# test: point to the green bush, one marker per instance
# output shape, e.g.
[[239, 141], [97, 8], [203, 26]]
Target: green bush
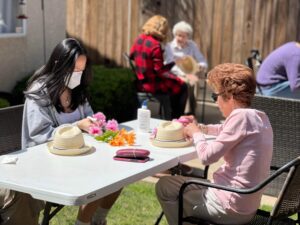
[[17, 92], [113, 92], [4, 103]]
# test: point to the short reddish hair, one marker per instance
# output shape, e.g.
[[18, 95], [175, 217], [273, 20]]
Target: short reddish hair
[[233, 79]]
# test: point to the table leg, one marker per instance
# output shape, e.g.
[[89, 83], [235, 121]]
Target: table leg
[[159, 218], [48, 214]]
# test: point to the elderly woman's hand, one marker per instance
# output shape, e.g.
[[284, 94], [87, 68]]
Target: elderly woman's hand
[[185, 120], [190, 130]]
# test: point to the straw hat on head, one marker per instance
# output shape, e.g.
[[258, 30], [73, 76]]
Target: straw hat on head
[[68, 140], [170, 135], [188, 65]]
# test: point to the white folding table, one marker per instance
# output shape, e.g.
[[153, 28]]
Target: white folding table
[[78, 180]]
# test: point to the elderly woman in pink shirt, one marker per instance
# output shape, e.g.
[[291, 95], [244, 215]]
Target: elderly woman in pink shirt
[[244, 140]]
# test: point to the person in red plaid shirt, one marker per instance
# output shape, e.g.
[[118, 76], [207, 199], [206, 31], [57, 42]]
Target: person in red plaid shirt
[[153, 76]]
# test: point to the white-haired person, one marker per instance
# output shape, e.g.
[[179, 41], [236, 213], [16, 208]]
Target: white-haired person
[[182, 46]]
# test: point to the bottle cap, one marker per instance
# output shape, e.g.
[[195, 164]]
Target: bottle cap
[[144, 104]]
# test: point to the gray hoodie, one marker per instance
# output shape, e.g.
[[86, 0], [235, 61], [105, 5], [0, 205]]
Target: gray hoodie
[[41, 119]]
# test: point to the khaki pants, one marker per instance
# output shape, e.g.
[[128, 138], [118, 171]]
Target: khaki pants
[[197, 200], [18, 208]]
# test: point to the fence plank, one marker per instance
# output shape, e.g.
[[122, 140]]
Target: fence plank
[[238, 31], [117, 45], [217, 32], [203, 32], [126, 31], [110, 31], [227, 39], [249, 7], [258, 33], [85, 35], [78, 19], [92, 29], [101, 31], [135, 16], [70, 23], [293, 19]]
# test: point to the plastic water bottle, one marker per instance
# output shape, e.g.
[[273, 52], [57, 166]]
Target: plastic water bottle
[[144, 115]]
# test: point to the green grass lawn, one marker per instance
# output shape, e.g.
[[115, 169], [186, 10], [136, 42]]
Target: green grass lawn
[[137, 205]]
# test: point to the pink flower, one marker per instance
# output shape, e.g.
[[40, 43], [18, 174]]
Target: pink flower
[[183, 120], [100, 117], [112, 125], [95, 130], [153, 134]]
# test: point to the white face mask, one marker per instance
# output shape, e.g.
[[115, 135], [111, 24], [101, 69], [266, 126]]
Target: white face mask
[[74, 80]]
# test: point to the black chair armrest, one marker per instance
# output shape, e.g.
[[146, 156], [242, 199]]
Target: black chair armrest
[[256, 188]]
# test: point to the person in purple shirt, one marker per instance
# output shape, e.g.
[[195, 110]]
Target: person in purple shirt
[[244, 141], [279, 74]]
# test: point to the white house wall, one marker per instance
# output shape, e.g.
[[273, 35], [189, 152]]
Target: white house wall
[[20, 56]]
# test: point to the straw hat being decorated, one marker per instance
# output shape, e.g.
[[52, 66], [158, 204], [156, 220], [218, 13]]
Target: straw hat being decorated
[[170, 135], [68, 140]]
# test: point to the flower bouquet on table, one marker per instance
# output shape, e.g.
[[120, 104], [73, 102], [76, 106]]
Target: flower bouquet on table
[[108, 131]]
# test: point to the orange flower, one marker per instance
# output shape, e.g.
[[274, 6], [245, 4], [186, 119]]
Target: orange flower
[[117, 141], [122, 138], [130, 138]]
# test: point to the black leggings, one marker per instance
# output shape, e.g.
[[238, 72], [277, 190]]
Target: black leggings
[[178, 102], [173, 105]]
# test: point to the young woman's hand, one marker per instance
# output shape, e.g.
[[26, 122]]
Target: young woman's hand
[[84, 124]]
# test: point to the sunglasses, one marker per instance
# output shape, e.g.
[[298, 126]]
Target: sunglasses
[[214, 96]]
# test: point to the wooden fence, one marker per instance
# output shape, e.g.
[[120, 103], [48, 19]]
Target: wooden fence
[[225, 30]]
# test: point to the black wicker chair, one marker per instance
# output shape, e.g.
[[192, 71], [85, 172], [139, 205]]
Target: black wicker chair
[[284, 115], [179, 170], [10, 141], [162, 99], [10, 128], [287, 204]]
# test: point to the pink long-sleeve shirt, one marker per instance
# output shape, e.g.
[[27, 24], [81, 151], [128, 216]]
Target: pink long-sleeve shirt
[[245, 140]]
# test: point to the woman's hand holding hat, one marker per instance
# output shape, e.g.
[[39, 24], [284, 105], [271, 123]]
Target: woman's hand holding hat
[[203, 128], [190, 130], [192, 78]]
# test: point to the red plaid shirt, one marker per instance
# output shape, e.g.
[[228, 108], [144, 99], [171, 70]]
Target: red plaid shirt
[[154, 76]]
